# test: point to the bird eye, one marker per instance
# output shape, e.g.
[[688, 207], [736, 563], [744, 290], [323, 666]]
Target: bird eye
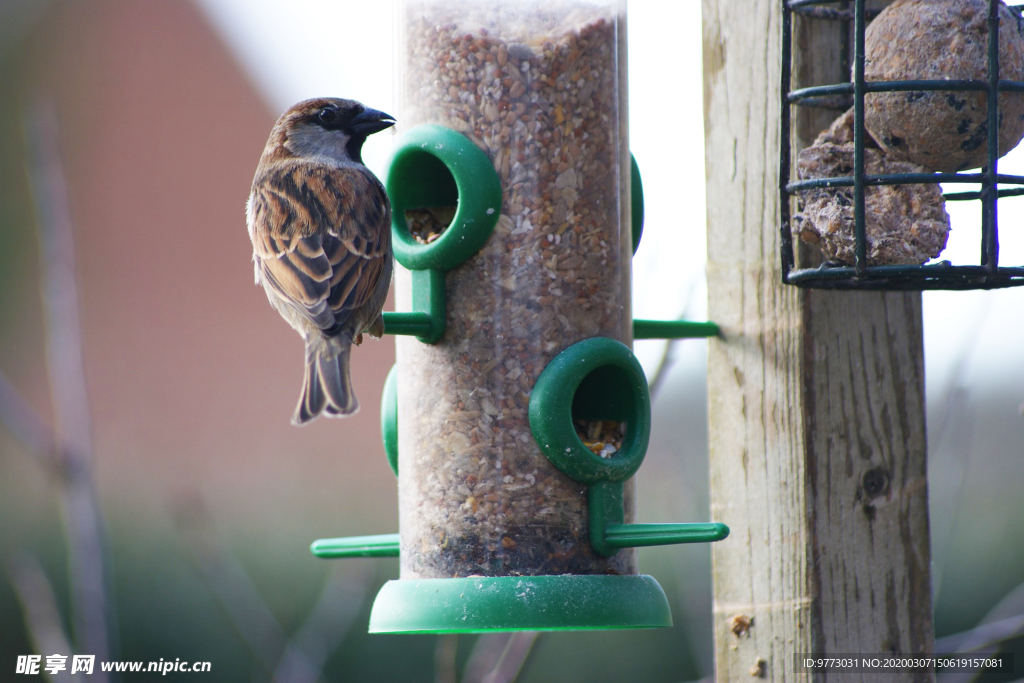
[[327, 115]]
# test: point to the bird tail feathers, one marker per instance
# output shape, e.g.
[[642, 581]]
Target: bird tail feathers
[[326, 388]]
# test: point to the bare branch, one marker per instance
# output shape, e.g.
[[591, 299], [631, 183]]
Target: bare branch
[[984, 636], [327, 624], [952, 403], [1001, 623], [484, 656], [27, 427], [668, 354], [230, 585], [42, 618], [299, 659], [512, 659], [498, 657], [87, 556], [444, 658], [665, 364]]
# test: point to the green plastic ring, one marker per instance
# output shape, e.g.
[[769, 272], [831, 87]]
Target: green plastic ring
[[437, 166], [519, 603], [598, 379]]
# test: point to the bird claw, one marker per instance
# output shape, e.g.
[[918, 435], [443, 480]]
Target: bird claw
[[376, 329]]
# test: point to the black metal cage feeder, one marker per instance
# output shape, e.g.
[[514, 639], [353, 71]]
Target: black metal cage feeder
[[861, 274]]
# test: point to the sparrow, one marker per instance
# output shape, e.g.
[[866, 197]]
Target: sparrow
[[320, 226]]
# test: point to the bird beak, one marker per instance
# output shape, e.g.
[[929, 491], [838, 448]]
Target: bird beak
[[370, 121]]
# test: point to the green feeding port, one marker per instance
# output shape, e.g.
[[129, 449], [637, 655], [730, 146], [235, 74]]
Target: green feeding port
[[595, 380], [445, 201], [435, 175], [600, 379]]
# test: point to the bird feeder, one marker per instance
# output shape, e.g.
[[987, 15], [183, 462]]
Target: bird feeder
[[516, 414], [936, 90]]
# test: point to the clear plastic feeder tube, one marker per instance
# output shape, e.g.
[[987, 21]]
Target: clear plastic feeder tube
[[540, 87]]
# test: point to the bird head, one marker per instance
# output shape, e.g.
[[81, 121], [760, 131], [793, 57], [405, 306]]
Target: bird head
[[327, 127]]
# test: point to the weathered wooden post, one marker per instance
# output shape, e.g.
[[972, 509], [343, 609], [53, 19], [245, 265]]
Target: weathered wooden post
[[816, 399]]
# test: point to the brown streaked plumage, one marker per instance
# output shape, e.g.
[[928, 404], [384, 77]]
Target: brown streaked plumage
[[320, 226]]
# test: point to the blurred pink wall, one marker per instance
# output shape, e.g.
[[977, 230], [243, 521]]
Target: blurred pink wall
[[192, 376]]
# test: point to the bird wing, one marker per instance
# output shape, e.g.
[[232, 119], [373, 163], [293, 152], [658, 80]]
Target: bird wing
[[321, 238]]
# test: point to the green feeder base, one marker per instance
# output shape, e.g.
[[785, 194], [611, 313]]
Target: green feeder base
[[520, 603]]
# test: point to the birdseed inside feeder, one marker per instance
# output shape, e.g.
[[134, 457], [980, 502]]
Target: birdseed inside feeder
[[540, 89]]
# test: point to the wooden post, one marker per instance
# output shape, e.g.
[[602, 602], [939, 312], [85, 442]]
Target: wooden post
[[816, 400]]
